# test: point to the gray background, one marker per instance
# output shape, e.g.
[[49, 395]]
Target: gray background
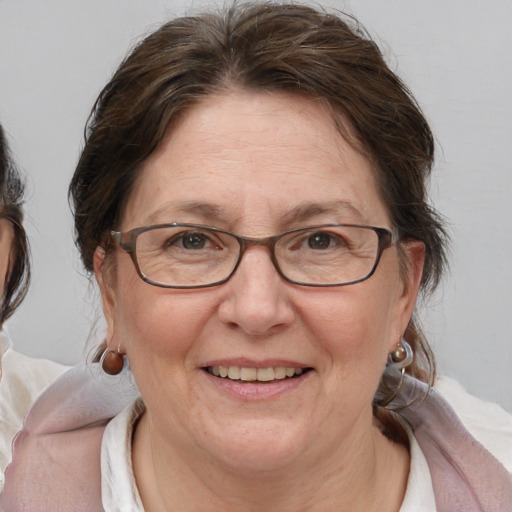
[[455, 55]]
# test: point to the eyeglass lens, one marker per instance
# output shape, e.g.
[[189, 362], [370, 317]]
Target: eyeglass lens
[[197, 256]]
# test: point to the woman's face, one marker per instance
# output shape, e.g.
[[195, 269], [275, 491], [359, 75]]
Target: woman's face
[[258, 164], [6, 238]]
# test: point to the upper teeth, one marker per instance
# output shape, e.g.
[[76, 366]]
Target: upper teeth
[[251, 374]]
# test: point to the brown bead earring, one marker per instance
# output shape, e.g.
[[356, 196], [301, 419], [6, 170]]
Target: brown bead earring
[[112, 361]]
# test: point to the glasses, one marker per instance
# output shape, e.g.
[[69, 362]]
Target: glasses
[[195, 256]]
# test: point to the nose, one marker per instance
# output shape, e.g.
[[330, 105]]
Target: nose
[[256, 299]]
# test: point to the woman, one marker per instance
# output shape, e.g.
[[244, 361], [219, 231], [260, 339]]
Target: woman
[[21, 378], [14, 262], [251, 199]]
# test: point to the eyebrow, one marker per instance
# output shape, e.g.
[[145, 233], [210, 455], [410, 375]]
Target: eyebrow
[[300, 213], [305, 211], [209, 211]]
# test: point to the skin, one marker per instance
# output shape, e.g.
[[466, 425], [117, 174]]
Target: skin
[[253, 160], [6, 238]]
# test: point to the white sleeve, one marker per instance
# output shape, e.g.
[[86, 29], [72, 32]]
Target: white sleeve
[[22, 379]]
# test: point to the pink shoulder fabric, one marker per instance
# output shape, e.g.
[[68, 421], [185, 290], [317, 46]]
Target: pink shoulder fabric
[[465, 476], [56, 460], [56, 457]]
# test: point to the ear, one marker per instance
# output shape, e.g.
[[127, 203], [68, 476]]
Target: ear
[[107, 293], [414, 253]]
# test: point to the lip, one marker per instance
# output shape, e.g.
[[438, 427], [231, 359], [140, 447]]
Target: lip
[[251, 363], [254, 390]]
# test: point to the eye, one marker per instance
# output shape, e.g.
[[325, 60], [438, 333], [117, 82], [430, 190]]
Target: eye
[[316, 241], [179, 242], [321, 240], [193, 240]]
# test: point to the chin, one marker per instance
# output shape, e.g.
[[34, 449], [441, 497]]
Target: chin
[[258, 446]]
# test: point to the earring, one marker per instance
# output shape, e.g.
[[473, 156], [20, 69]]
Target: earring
[[399, 360], [112, 361], [402, 356]]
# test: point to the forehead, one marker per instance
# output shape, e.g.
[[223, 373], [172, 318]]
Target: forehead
[[239, 155]]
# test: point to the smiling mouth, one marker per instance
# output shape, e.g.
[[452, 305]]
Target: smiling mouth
[[256, 374]]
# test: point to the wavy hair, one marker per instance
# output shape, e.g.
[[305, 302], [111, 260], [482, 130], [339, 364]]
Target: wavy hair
[[11, 207]]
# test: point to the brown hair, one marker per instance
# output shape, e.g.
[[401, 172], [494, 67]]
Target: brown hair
[[11, 202], [261, 47]]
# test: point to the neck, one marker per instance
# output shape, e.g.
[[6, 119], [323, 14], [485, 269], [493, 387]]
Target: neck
[[367, 474]]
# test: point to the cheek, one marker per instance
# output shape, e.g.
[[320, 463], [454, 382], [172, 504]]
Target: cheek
[[160, 333], [352, 326], [159, 329], [160, 326], [6, 239]]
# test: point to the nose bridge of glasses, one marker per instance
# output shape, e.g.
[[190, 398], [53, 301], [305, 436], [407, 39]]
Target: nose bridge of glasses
[[247, 241], [266, 242]]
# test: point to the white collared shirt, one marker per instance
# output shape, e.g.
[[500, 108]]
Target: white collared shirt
[[119, 489]]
